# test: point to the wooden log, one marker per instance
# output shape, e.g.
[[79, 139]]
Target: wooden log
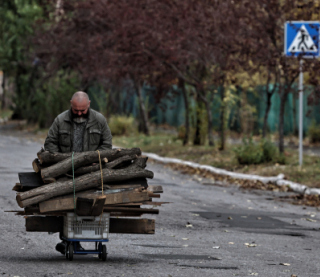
[[84, 206], [46, 157], [98, 205], [36, 165], [44, 224], [132, 226], [66, 204], [84, 158], [83, 182], [130, 210], [110, 165]]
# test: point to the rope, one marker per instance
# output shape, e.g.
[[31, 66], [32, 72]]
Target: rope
[[74, 188], [101, 182]]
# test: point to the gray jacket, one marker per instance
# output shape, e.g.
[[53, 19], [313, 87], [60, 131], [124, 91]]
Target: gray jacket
[[97, 135]]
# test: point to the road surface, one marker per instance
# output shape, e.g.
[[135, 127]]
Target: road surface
[[283, 239]]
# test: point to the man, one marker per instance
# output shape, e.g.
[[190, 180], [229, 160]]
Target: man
[[79, 129], [76, 130]]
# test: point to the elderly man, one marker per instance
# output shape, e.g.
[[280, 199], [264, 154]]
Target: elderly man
[[76, 130], [79, 128]]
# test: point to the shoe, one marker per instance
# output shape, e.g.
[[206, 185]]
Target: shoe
[[61, 247]]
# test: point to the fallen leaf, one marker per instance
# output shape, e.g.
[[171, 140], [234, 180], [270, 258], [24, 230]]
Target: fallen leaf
[[185, 238], [216, 247], [250, 244], [186, 245], [293, 275], [286, 264], [243, 216], [189, 225], [229, 217], [231, 242], [259, 218], [311, 220], [254, 274], [226, 231]]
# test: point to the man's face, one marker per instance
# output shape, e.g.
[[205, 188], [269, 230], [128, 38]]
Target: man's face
[[80, 107]]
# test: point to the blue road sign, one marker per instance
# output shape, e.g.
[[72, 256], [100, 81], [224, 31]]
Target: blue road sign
[[301, 39]]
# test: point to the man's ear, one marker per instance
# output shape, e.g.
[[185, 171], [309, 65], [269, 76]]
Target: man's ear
[[89, 103]]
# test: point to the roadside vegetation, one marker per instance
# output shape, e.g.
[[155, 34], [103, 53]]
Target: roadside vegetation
[[251, 155]]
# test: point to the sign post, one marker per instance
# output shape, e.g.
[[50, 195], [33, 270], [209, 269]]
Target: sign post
[[301, 41]]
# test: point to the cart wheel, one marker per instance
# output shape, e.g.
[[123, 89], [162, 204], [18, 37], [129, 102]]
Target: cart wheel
[[104, 253], [70, 250], [100, 250]]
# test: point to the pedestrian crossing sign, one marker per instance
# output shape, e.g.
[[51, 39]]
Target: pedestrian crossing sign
[[301, 39]]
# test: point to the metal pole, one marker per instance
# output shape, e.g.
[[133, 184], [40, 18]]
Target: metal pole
[[301, 113]]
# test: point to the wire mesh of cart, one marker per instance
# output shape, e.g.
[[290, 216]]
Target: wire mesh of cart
[[78, 229]]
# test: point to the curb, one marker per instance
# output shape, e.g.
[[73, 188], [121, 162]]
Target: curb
[[278, 180]]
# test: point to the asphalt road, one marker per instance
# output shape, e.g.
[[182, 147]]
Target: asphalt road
[[223, 220]]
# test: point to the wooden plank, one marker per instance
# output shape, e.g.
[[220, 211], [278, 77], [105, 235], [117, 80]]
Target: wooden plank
[[17, 187], [124, 186], [84, 206], [98, 205], [147, 203], [132, 226], [130, 210], [44, 224], [65, 204], [155, 189], [153, 195]]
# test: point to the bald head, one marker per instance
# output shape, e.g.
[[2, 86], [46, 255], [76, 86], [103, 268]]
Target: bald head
[[80, 103], [80, 96]]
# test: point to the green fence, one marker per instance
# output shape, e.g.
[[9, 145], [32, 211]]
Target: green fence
[[172, 111]]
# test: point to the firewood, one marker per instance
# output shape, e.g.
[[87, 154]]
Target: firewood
[[128, 210], [84, 158], [98, 205], [90, 180], [84, 206], [110, 165], [67, 203], [132, 226], [46, 157], [153, 195], [117, 225]]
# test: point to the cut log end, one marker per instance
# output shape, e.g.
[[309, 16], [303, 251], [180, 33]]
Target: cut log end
[[19, 201]]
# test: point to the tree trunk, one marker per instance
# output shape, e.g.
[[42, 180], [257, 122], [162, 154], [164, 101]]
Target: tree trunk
[[222, 119], [91, 180], [281, 121], [143, 112], [3, 100], [209, 115], [186, 104], [197, 136], [85, 158], [265, 119]]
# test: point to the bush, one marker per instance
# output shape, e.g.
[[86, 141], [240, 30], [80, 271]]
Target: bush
[[122, 125], [314, 132], [257, 153], [249, 152]]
